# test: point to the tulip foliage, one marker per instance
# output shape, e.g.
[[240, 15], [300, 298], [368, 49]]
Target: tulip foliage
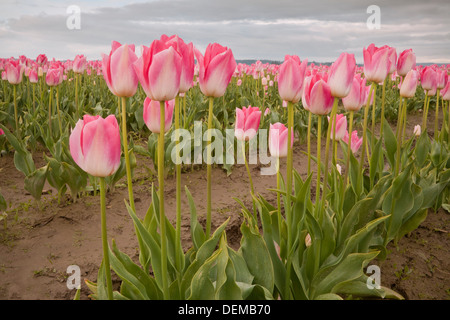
[[316, 239]]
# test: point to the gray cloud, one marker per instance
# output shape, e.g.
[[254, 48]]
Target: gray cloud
[[259, 29]]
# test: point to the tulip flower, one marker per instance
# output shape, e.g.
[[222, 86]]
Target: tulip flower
[[187, 63], [355, 142], [118, 70], [357, 96], [317, 96], [79, 64], [247, 122], [33, 76], [406, 62], [95, 147], [417, 130], [14, 71], [54, 77], [41, 59], [409, 84], [441, 81], [278, 140], [445, 93], [341, 127], [152, 116], [216, 69], [341, 75], [159, 70], [376, 63], [290, 78], [428, 81]]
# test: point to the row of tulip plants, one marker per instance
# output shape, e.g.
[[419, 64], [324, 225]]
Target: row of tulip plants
[[90, 118]]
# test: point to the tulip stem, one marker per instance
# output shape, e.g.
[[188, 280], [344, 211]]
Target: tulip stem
[[279, 200], [16, 117], [374, 109], [425, 111], [208, 169], [309, 141], [437, 116], [178, 188], [105, 238], [252, 190], [288, 213], [59, 114], [50, 98], [162, 217], [383, 102], [400, 138], [125, 151], [319, 145], [364, 142], [347, 163], [331, 123], [76, 95]]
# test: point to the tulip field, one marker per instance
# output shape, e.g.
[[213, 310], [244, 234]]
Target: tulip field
[[178, 174]]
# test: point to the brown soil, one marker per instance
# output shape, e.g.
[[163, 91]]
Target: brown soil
[[41, 240]]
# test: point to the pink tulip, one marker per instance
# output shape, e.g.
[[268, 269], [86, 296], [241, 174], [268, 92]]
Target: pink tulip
[[118, 70], [159, 70], [406, 62], [278, 140], [187, 65], [216, 69], [79, 64], [95, 145], [341, 127], [54, 77], [392, 60], [41, 59], [247, 123], [33, 76], [341, 75], [318, 96], [445, 93], [356, 142], [290, 78], [428, 79], [239, 82], [409, 84], [1, 132], [376, 63], [152, 114], [14, 71], [441, 78], [357, 96]]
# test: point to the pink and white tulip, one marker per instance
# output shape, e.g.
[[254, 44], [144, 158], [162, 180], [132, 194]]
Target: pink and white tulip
[[118, 70], [357, 96], [278, 140], [95, 145], [409, 84], [152, 115], [376, 63], [247, 123], [341, 75], [406, 62], [290, 78], [318, 96], [339, 128], [355, 143], [216, 68]]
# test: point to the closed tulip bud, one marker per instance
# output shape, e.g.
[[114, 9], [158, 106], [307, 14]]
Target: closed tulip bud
[[14, 72], [54, 77], [33, 76], [186, 52], [428, 79], [247, 123], [152, 114], [376, 63], [278, 140], [341, 75], [445, 93], [356, 142], [290, 78], [357, 96], [95, 145], [318, 96], [417, 130], [441, 78], [159, 70], [239, 82], [79, 64], [217, 67], [118, 70], [339, 128], [409, 84], [406, 62]]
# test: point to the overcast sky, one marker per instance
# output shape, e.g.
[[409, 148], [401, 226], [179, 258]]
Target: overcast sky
[[254, 29]]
